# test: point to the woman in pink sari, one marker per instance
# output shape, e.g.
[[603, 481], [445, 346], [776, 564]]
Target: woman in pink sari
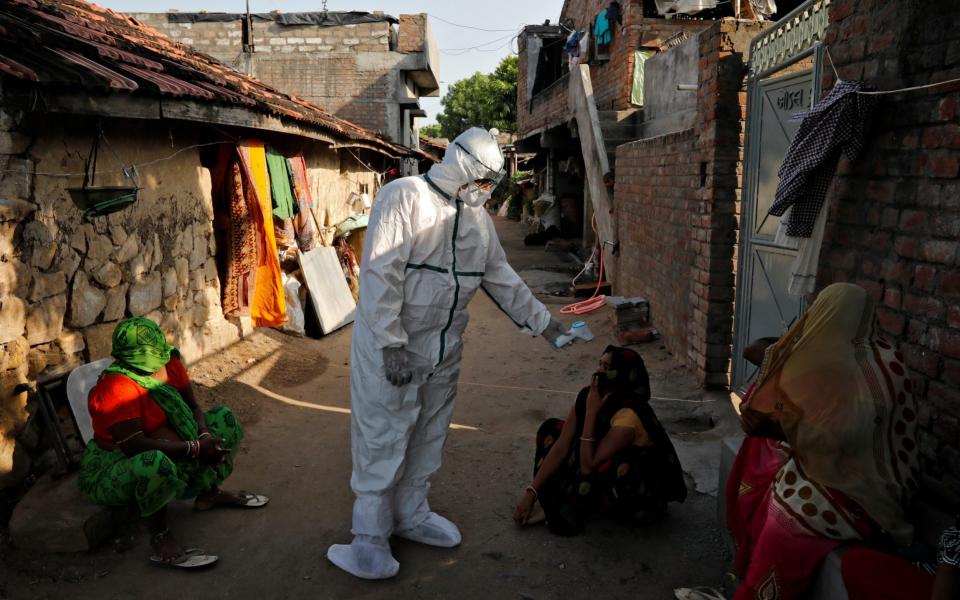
[[830, 454]]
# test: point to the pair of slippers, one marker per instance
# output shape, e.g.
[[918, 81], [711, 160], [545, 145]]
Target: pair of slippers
[[196, 558]]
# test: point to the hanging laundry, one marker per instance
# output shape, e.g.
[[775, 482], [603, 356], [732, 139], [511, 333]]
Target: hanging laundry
[[267, 306], [304, 224], [239, 241], [601, 30], [283, 202], [572, 46], [836, 124], [614, 14], [640, 58], [803, 271]]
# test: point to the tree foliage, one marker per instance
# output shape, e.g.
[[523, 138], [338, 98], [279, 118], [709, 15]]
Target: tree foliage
[[481, 100], [432, 131]]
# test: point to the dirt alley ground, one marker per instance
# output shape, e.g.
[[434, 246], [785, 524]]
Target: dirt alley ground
[[293, 396]]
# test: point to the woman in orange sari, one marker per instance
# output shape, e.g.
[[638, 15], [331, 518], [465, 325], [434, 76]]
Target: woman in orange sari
[[831, 454]]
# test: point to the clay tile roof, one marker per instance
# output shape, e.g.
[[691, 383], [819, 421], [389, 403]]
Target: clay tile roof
[[68, 43]]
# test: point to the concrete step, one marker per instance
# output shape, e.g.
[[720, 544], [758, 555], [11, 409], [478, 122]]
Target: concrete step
[[617, 116], [55, 517]]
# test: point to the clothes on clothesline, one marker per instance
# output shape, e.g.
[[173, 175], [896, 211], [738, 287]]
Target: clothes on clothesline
[[614, 14], [640, 58], [803, 271], [268, 306], [601, 29], [836, 124], [304, 223], [572, 47], [284, 206]]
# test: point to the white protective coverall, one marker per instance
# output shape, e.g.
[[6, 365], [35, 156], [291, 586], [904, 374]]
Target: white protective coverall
[[430, 246]]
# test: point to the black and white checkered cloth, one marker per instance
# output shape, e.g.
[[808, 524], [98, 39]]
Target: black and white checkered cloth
[[836, 124]]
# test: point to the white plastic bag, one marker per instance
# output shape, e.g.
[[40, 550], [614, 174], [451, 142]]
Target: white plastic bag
[[295, 318]]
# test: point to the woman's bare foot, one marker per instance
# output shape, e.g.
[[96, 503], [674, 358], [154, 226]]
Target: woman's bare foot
[[536, 517], [219, 497], [166, 546]]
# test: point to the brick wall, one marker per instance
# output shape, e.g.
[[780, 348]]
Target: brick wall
[[612, 79], [412, 33], [656, 199], [547, 109], [700, 185], [350, 71], [895, 216]]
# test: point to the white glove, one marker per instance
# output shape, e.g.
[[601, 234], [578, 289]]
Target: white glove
[[554, 330], [397, 366]]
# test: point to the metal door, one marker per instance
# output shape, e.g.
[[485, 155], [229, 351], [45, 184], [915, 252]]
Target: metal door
[[775, 100], [764, 308]]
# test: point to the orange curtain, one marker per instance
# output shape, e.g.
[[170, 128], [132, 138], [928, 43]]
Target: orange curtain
[[267, 307]]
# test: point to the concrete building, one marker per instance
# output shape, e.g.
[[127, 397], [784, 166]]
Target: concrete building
[[369, 68]]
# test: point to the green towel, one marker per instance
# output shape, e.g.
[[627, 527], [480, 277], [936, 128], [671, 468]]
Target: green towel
[[283, 200]]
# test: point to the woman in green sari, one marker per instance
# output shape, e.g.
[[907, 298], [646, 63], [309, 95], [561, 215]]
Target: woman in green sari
[[152, 443]]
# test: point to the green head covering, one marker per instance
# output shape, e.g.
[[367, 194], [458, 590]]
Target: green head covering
[[139, 344], [141, 349]]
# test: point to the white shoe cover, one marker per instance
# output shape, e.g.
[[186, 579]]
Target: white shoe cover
[[434, 530], [366, 557]]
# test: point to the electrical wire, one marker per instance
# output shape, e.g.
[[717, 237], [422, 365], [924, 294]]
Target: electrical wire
[[888, 92], [363, 164], [469, 26], [597, 300], [123, 170], [479, 47]]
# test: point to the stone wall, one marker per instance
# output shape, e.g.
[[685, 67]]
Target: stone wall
[[66, 282], [894, 223], [687, 187], [350, 71]]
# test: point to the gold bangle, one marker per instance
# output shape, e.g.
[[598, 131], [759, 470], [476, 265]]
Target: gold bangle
[[587, 439], [536, 496]]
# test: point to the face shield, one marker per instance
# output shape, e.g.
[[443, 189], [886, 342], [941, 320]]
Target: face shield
[[477, 192]]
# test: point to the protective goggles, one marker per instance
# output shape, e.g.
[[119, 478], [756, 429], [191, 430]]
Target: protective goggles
[[491, 174]]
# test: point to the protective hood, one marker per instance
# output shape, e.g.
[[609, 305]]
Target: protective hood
[[474, 154]]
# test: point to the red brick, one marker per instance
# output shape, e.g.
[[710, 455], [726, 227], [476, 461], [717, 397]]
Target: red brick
[[947, 108], [907, 247], [951, 372], [945, 341], [892, 299], [953, 317], [947, 167], [923, 277], [927, 306], [949, 286], [921, 360], [890, 321], [914, 221], [938, 251]]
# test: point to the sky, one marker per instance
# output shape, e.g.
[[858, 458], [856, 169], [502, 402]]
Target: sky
[[488, 47]]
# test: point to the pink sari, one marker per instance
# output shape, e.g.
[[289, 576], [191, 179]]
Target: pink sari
[[842, 398]]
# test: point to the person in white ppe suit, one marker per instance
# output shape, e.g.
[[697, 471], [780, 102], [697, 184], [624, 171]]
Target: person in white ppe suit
[[430, 246]]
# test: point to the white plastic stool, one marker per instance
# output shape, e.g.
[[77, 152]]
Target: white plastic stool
[[79, 384]]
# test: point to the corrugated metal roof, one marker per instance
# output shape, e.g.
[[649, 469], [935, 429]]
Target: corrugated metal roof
[[69, 43]]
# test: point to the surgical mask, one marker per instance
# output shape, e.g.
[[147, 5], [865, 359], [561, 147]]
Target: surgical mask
[[473, 195]]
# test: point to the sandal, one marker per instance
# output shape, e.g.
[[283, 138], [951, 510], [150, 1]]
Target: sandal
[[700, 593], [190, 558], [244, 500]]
